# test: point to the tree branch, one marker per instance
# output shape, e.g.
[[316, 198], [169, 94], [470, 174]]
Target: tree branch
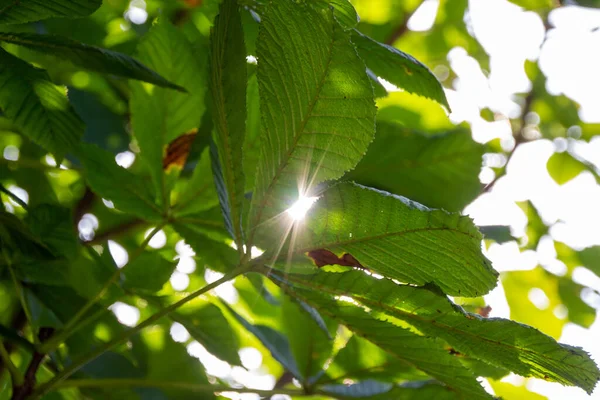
[[23, 389], [402, 28]]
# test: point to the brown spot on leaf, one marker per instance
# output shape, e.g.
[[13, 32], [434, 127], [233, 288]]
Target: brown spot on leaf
[[453, 352], [484, 311], [178, 150], [324, 257]]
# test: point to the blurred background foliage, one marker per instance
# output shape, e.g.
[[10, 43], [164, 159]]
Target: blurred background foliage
[[520, 153]]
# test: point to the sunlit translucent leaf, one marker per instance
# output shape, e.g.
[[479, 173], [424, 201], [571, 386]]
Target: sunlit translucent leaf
[[360, 359], [20, 11], [316, 104], [509, 391], [579, 312], [416, 165], [228, 90], [536, 228], [399, 68], [520, 284], [536, 5], [563, 167], [252, 137], [38, 108], [148, 272], [128, 192], [344, 12], [500, 342], [88, 57], [398, 238], [411, 348], [160, 115]]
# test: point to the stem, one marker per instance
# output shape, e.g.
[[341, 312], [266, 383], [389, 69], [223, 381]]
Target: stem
[[70, 327], [45, 388], [192, 387], [15, 374], [13, 196], [21, 296]]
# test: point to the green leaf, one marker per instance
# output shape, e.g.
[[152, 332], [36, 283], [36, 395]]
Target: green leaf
[[399, 68], [20, 11], [161, 115], [500, 342], [316, 104], [418, 390], [38, 108], [398, 238], [166, 360], [124, 189], [215, 254], [563, 167], [199, 193], [590, 257], [148, 272], [17, 240], [54, 226], [520, 285], [344, 12], [209, 327], [253, 129], [274, 341], [536, 5], [362, 390], [497, 233], [10, 335], [228, 89], [579, 312], [89, 57], [310, 345], [536, 228], [417, 165], [361, 359], [411, 348]]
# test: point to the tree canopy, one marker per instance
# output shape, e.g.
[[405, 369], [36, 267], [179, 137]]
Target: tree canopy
[[287, 199]]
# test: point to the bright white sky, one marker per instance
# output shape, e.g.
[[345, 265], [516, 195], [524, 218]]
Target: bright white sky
[[569, 59]]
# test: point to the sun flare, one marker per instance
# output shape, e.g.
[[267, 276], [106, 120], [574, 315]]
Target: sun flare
[[299, 209]]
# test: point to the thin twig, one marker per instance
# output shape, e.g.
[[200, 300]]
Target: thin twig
[[13, 196], [15, 374], [67, 330], [25, 388], [115, 232], [402, 28], [191, 387], [76, 365]]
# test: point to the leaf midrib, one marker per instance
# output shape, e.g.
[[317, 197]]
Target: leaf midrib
[[381, 236], [267, 193], [408, 315]]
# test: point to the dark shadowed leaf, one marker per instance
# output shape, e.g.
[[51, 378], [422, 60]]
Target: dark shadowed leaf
[[88, 57], [38, 108], [128, 192], [20, 11]]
